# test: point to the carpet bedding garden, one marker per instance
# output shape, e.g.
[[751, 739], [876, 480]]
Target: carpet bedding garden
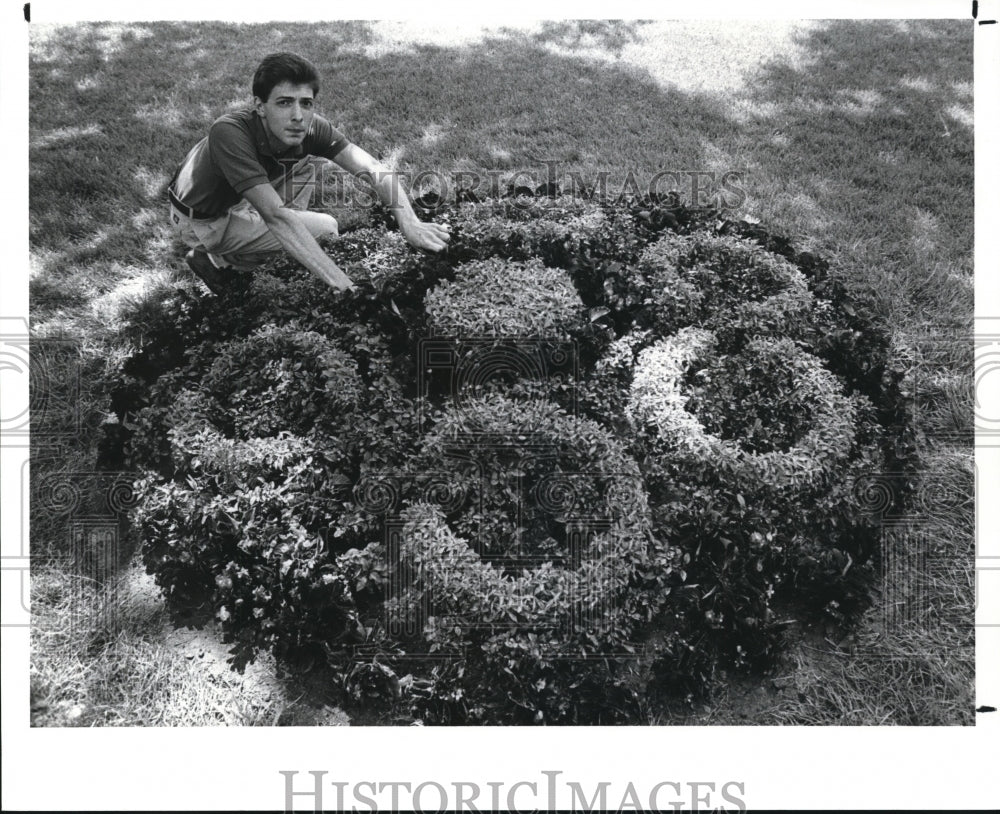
[[642, 450]]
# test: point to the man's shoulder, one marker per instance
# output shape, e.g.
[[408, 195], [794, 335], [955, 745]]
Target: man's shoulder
[[236, 133], [234, 120], [320, 124], [324, 139]]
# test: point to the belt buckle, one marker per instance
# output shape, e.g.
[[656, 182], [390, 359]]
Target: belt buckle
[[179, 205]]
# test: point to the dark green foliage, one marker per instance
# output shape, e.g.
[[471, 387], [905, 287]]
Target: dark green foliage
[[761, 499], [755, 398], [231, 535], [502, 541], [528, 472], [282, 379]]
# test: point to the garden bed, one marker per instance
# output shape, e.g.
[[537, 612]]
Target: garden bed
[[480, 486]]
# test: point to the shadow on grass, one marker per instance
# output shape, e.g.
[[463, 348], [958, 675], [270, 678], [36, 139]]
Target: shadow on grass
[[124, 104], [864, 145], [867, 146]]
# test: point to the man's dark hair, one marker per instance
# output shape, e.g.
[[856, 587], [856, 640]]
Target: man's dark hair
[[283, 67]]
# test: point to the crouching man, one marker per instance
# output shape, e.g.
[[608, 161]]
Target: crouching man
[[242, 192]]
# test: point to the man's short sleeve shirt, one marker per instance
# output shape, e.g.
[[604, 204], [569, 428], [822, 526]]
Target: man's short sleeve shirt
[[237, 155]]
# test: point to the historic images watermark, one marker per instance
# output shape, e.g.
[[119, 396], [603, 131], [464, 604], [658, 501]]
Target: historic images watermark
[[317, 791], [700, 187], [912, 562], [88, 511], [950, 389], [986, 417], [40, 417], [986, 384], [48, 408], [75, 516]]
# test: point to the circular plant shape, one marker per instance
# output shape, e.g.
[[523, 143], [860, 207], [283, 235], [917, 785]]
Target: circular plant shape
[[281, 378], [727, 284], [463, 589], [198, 447], [503, 298], [659, 405], [554, 519], [241, 525]]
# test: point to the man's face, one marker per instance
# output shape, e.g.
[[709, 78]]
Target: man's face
[[287, 113]]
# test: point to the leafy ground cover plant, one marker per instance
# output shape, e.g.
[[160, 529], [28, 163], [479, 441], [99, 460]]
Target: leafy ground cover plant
[[781, 420], [502, 298], [724, 282], [448, 551], [749, 458]]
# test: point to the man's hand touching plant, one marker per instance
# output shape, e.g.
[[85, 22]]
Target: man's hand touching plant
[[430, 236]]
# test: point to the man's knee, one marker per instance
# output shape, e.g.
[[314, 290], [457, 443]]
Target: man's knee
[[320, 224], [331, 228]]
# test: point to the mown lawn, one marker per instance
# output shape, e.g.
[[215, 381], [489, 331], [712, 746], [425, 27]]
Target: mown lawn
[[853, 137]]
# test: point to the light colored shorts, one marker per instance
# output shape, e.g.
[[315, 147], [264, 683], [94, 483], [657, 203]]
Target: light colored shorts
[[240, 237]]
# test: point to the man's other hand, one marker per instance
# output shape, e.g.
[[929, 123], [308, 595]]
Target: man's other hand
[[431, 236]]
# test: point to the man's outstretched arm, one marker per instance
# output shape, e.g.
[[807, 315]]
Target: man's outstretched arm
[[431, 236], [295, 237]]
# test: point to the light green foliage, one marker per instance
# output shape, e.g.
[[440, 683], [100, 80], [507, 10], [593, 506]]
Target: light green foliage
[[503, 298]]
